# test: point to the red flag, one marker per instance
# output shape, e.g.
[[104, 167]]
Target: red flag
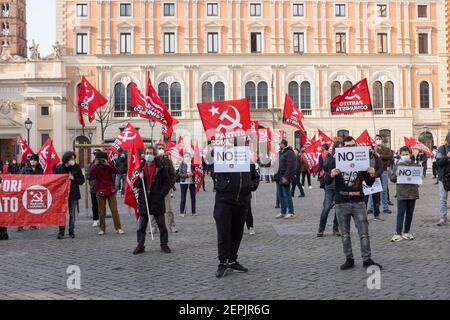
[[197, 161], [131, 194], [89, 99], [168, 131], [417, 145], [225, 119], [169, 146], [24, 149], [80, 117], [198, 179], [126, 138], [355, 99], [111, 152], [311, 156], [292, 116], [323, 138], [364, 139], [150, 106], [48, 156]]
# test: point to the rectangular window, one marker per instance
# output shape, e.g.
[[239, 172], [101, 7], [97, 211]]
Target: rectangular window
[[44, 138], [213, 9], [169, 9], [169, 42], [382, 42], [423, 43], [82, 42], [213, 42], [422, 11], [298, 10], [125, 9], [255, 9], [82, 10], [341, 43], [382, 10], [45, 111], [299, 42], [255, 39], [125, 43], [340, 10]]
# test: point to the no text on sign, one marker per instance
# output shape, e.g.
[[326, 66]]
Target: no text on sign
[[231, 159], [409, 175], [351, 159]]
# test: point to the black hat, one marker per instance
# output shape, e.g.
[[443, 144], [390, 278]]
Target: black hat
[[101, 155]]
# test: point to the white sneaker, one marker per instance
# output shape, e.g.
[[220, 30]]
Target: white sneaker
[[173, 230], [95, 224], [280, 216], [408, 236], [289, 216], [251, 231], [101, 232], [396, 238], [120, 231], [182, 215]]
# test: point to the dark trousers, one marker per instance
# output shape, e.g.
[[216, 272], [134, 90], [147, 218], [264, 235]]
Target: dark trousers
[[230, 220], [435, 170], [307, 175], [249, 220], [3, 230], [184, 188], [94, 206], [72, 207], [376, 203], [405, 208], [142, 229], [328, 201], [296, 183]]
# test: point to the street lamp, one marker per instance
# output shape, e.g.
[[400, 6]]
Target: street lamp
[[90, 135], [273, 102], [28, 125], [152, 125]]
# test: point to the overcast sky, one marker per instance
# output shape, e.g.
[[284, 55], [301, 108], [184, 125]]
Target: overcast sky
[[41, 24]]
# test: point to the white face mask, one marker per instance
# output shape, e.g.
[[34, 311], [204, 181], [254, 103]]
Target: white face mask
[[405, 158], [72, 162], [33, 163], [379, 142], [160, 152]]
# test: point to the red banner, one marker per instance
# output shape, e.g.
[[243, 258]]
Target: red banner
[[89, 99], [48, 156], [292, 116], [356, 99], [311, 156], [33, 200]]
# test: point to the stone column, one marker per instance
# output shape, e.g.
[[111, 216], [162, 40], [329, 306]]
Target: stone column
[[194, 26], [195, 85], [316, 18], [399, 29], [365, 35], [186, 106], [144, 27], [230, 86], [281, 25], [323, 14], [230, 26], [186, 26], [358, 28], [406, 25], [273, 35], [108, 27], [99, 27], [238, 26], [151, 40], [59, 124]]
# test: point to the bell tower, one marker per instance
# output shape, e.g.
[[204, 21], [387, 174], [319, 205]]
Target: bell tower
[[13, 26]]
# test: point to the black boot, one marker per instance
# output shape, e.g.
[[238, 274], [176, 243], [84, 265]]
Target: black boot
[[139, 249], [222, 270], [369, 262], [349, 263], [236, 266]]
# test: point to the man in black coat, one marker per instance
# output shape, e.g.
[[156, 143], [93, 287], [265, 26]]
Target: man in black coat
[[287, 163], [157, 185], [233, 194]]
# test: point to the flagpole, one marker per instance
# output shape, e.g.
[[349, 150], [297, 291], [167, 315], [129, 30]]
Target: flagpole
[[146, 204], [273, 103]]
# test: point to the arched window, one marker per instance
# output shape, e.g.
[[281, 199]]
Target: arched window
[[163, 93], [119, 100], [250, 93], [207, 91], [262, 95], [343, 133], [293, 92], [219, 91], [377, 95], [389, 95], [305, 95], [424, 94], [175, 96], [386, 135], [347, 85], [335, 89]]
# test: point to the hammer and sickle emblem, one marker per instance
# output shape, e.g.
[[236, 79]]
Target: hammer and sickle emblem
[[354, 94], [37, 197], [234, 122], [125, 135]]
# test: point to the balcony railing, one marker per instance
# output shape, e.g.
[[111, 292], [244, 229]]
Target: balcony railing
[[381, 112], [306, 112]]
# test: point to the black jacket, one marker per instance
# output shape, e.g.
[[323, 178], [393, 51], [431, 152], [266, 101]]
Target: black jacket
[[78, 179], [236, 186], [160, 187], [28, 169], [286, 164], [14, 168], [122, 165], [442, 161]]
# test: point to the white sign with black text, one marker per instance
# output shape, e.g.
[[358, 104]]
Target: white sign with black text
[[375, 188], [409, 175], [351, 159], [231, 159]]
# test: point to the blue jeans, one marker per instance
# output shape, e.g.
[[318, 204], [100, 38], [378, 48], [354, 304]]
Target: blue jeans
[[284, 194], [442, 201], [327, 203], [384, 196], [404, 207], [296, 183], [72, 207]]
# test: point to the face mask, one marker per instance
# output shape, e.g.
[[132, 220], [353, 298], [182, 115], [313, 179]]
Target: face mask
[[149, 157], [379, 142], [71, 162], [33, 162], [405, 158], [160, 152], [187, 160]]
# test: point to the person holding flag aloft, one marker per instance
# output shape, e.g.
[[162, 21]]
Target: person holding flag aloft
[[153, 186]]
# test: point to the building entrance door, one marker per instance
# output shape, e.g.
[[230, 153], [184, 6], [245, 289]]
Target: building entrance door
[[8, 149]]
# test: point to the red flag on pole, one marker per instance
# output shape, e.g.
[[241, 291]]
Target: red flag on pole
[[292, 116], [417, 145], [364, 139], [131, 194], [198, 178], [323, 138], [355, 99], [127, 138], [89, 99], [48, 156], [311, 156], [24, 149]]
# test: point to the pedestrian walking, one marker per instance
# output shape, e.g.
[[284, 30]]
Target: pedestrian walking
[[91, 181], [350, 203], [121, 176], [283, 178], [187, 183], [375, 162], [443, 164], [296, 179], [434, 164], [264, 164]]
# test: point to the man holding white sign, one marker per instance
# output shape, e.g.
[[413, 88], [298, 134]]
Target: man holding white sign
[[350, 202], [352, 159]]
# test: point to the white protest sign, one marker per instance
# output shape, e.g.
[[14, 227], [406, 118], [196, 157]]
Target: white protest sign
[[409, 175], [375, 188], [351, 159], [231, 159]]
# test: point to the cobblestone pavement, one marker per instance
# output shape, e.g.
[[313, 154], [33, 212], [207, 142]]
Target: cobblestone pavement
[[285, 258]]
